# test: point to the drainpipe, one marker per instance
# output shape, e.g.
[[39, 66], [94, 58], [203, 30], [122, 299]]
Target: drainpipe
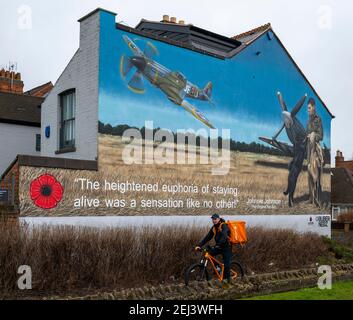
[[13, 189]]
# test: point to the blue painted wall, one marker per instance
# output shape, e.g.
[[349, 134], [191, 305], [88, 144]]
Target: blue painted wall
[[244, 88]]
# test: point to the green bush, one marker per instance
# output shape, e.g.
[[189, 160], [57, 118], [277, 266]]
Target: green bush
[[340, 251]]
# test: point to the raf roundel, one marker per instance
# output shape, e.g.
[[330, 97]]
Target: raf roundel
[[46, 192]]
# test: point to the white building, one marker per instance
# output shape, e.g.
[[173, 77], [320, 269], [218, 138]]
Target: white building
[[19, 127]]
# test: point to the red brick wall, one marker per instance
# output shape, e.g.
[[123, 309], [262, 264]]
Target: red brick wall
[[344, 164], [6, 182], [340, 163], [10, 82]]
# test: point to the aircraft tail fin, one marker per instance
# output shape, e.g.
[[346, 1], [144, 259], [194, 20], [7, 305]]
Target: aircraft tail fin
[[208, 90]]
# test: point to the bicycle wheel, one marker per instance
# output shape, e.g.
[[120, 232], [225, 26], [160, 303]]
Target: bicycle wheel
[[236, 270], [196, 272]]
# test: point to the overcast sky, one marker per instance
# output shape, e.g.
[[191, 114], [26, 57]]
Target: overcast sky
[[41, 36]]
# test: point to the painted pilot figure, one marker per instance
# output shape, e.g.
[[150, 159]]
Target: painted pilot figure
[[314, 129], [314, 154]]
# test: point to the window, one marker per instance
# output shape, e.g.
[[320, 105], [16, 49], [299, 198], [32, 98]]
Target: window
[[68, 111], [335, 213], [38, 142]]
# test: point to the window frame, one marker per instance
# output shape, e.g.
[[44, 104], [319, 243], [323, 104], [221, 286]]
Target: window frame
[[38, 142], [62, 144]]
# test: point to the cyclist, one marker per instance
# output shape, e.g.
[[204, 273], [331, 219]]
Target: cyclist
[[220, 232]]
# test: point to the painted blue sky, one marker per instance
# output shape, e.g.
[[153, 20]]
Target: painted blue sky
[[244, 88]]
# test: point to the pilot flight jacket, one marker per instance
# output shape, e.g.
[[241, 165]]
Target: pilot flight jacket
[[315, 125]]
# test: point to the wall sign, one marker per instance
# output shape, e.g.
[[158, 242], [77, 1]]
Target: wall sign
[[47, 132]]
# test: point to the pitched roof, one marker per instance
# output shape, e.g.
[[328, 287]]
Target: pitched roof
[[40, 91], [251, 35], [188, 34], [342, 186], [20, 109]]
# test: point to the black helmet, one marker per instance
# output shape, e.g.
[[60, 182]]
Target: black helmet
[[215, 216]]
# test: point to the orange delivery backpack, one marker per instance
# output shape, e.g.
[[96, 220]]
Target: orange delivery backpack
[[238, 233]]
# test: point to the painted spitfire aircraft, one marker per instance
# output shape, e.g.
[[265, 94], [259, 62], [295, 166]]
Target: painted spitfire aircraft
[[172, 83], [295, 130]]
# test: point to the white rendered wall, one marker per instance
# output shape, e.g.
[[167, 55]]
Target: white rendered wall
[[81, 74], [318, 224], [14, 140]]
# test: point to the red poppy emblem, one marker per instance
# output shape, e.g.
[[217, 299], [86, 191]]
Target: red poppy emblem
[[46, 192]]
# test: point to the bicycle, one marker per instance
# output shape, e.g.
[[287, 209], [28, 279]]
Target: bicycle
[[199, 272]]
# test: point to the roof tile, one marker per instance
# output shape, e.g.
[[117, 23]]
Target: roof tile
[[21, 109]]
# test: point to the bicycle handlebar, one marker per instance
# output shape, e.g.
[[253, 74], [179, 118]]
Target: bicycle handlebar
[[204, 250]]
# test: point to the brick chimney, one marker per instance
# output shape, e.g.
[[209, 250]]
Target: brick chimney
[[10, 82], [339, 159]]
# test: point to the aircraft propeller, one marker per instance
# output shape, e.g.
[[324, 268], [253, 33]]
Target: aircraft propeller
[[298, 106], [136, 82], [150, 50], [281, 101], [289, 116]]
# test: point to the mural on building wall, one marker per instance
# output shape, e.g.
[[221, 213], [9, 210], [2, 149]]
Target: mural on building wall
[[46, 192], [172, 83], [153, 95], [306, 144]]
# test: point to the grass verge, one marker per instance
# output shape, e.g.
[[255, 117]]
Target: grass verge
[[339, 291]]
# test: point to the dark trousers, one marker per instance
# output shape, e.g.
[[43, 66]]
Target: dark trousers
[[227, 259], [296, 167]]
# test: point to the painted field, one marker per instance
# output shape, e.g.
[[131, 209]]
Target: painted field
[[258, 179]]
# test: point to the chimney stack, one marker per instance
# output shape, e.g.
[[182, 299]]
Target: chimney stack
[[165, 18], [10, 82], [339, 159], [168, 19]]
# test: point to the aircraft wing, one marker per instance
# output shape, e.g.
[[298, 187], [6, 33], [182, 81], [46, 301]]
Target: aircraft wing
[[196, 113], [285, 148]]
